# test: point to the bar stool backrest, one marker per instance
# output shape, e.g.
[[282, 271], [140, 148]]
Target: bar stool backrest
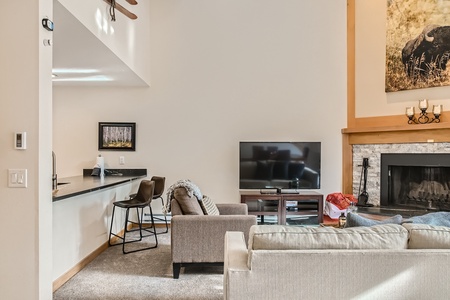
[[159, 186], [145, 191]]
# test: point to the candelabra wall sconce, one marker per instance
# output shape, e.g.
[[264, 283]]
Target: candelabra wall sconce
[[423, 116]]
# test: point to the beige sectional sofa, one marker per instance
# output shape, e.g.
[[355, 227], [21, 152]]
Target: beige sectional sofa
[[389, 261]]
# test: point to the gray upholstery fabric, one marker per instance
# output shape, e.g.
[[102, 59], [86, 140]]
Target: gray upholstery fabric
[[189, 204], [441, 218], [200, 238], [233, 209], [175, 208], [354, 220]]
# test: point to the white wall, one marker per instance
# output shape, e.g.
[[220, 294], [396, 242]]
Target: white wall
[[25, 264], [222, 72], [371, 98], [123, 37]]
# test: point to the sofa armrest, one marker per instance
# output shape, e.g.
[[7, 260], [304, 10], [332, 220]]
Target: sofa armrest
[[236, 258], [232, 208], [236, 253], [201, 238]]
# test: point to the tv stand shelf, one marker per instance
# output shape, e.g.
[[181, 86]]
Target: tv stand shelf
[[284, 206]]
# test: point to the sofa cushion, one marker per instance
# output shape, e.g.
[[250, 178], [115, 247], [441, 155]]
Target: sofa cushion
[[209, 207], [423, 236], [280, 237], [189, 205], [354, 220]]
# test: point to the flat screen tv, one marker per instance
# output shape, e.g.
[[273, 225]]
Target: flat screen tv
[[279, 165]]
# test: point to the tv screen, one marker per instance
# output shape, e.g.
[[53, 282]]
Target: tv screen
[[280, 165]]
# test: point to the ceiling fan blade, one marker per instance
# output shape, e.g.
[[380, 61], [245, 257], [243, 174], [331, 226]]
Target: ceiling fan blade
[[132, 2], [123, 10]]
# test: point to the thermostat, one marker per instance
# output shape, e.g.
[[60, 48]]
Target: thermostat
[[47, 24], [20, 140]]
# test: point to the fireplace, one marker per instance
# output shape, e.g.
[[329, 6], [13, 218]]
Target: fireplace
[[415, 180]]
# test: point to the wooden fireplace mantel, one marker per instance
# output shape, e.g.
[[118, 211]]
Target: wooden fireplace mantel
[[436, 132]]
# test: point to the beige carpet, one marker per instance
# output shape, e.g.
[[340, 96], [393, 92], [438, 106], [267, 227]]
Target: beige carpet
[[142, 275]]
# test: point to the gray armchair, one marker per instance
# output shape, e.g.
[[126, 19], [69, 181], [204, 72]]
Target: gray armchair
[[200, 238]]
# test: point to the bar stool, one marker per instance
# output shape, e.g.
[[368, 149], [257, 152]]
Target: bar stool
[[159, 190], [141, 199]]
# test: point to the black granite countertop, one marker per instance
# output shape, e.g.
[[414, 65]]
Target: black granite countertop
[[83, 184]]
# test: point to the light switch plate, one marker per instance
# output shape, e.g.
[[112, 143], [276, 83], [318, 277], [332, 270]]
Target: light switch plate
[[17, 178]]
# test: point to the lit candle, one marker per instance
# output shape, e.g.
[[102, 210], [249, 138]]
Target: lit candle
[[423, 104], [437, 109], [410, 111]]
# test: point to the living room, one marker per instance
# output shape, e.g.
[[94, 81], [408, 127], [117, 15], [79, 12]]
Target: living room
[[220, 72]]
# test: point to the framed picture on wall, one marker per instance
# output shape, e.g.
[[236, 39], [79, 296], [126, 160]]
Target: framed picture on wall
[[417, 49], [117, 136]]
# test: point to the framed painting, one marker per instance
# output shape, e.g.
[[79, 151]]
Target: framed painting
[[117, 136], [417, 44]]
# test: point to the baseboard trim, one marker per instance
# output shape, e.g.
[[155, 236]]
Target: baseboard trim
[[57, 283], [78, 267]]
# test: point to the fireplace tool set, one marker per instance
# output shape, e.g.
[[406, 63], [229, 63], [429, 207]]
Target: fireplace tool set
[[363, 197]]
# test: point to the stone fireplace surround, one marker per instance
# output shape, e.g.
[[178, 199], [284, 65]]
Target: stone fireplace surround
[[373, 152]]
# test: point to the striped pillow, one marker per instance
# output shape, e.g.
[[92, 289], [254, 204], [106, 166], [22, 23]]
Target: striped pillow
[[208, 206]]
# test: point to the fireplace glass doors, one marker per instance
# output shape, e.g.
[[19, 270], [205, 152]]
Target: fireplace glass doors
[[416, 181]]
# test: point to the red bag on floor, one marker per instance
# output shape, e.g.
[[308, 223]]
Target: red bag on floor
[[342, 201]]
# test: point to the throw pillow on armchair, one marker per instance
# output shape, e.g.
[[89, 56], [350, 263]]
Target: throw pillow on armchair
[[189, 204], [190, 199]]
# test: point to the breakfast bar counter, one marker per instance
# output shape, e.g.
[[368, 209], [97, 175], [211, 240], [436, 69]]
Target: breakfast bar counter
[[81, 222], [77, 185]]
